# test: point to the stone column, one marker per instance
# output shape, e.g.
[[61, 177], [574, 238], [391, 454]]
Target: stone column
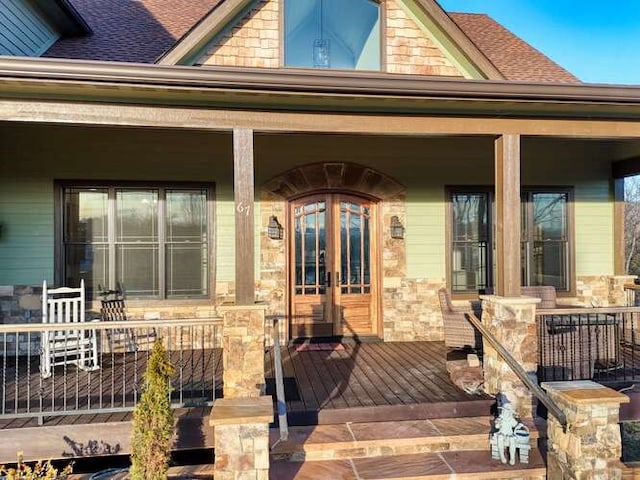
[[617, 294], [243, 351], [512, 321], [242, 437], [591, 446]]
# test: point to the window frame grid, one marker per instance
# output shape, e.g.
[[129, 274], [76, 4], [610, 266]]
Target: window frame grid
[[60, 188]]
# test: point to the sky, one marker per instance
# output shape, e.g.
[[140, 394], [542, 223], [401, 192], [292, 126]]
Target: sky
[[596, 40]]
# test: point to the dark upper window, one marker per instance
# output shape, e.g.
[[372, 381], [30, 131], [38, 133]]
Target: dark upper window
[[154, 240], [546, 239], [339, 34]]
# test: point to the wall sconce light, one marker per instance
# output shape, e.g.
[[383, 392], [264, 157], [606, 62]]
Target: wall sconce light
[[396, 228], [274, 229]]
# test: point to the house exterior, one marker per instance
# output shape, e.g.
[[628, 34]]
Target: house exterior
[[337, 162]]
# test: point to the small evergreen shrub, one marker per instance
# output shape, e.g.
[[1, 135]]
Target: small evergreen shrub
[[153, 420], [39, 470]]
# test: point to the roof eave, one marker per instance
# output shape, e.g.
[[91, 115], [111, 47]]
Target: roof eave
[[44, 74]]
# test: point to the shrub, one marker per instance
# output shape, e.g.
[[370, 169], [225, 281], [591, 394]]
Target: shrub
[[153, 420], [45, 470]]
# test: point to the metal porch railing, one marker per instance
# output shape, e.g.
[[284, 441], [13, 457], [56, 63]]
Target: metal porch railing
[[533, 387], [193, 346], [602, 344]]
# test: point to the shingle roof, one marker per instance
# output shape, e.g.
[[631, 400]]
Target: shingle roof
[[142, 30], [131, 30], [516, 59]]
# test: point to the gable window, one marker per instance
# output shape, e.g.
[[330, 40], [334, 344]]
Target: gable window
[[153, 240], [546, 247], [545, 238], [338, 34]]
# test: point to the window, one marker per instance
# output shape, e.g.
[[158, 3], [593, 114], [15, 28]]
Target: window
[[545, 239], [153, 240], [340, 34], [470, 241], [546, 249]]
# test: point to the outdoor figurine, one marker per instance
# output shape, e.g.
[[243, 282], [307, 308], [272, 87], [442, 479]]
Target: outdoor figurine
[[509, 434]]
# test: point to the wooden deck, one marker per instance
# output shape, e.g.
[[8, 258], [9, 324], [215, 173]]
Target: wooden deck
[[355, 382], [362, 382]]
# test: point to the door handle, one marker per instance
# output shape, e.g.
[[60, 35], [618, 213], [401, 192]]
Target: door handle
[[337, 278], [328, 279]]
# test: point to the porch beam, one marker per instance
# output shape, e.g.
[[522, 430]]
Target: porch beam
[[619, 264], [243, 195], [626, 167], [326, 122], [507, 183]]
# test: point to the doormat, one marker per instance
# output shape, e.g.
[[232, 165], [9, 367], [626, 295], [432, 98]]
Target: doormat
[[319, 347]]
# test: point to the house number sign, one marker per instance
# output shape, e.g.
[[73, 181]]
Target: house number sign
[[241, 208]]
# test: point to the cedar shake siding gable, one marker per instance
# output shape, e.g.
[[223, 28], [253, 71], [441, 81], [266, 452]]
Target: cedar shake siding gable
[[516, 59], [145, 31]]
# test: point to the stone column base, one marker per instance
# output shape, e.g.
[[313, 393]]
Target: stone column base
[[241, 430], [591, 446]]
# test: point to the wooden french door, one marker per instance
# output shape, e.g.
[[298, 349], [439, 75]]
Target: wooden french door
[[333, 270]]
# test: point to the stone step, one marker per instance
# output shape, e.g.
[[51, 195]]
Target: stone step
[[470, 465], [379, 439]]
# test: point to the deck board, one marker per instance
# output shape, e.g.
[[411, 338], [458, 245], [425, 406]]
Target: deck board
[[360, 377]]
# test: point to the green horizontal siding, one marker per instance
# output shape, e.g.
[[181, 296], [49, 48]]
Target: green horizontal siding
[[26, 242], [425, 236], [594, 229]]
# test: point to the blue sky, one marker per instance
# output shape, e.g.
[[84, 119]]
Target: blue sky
[[598, 41]]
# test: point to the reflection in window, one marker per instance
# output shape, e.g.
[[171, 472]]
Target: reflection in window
[[545, 247], [545, 239], [339, 34], [310, 248], [470, 242], [152, 241]]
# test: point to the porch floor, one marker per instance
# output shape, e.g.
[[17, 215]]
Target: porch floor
[[353, 382], [369, 381]]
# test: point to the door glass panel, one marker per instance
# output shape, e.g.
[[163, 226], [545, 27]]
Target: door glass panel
[[355, 248], [310, 248]]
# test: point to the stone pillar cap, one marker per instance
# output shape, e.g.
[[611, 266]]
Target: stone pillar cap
[[584, 392], [236, 411], [521, 300]]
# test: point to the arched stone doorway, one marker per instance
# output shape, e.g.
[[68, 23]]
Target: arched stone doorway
[[333, 290]]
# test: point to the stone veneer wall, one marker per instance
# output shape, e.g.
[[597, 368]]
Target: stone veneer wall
[[409, 49], [602, 290], [255, 41], [20, 304]]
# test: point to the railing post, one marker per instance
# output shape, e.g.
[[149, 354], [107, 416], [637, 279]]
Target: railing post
[[591, 446], [512, 321]]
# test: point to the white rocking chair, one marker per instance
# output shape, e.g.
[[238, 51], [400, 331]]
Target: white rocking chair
[[65, 306]]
